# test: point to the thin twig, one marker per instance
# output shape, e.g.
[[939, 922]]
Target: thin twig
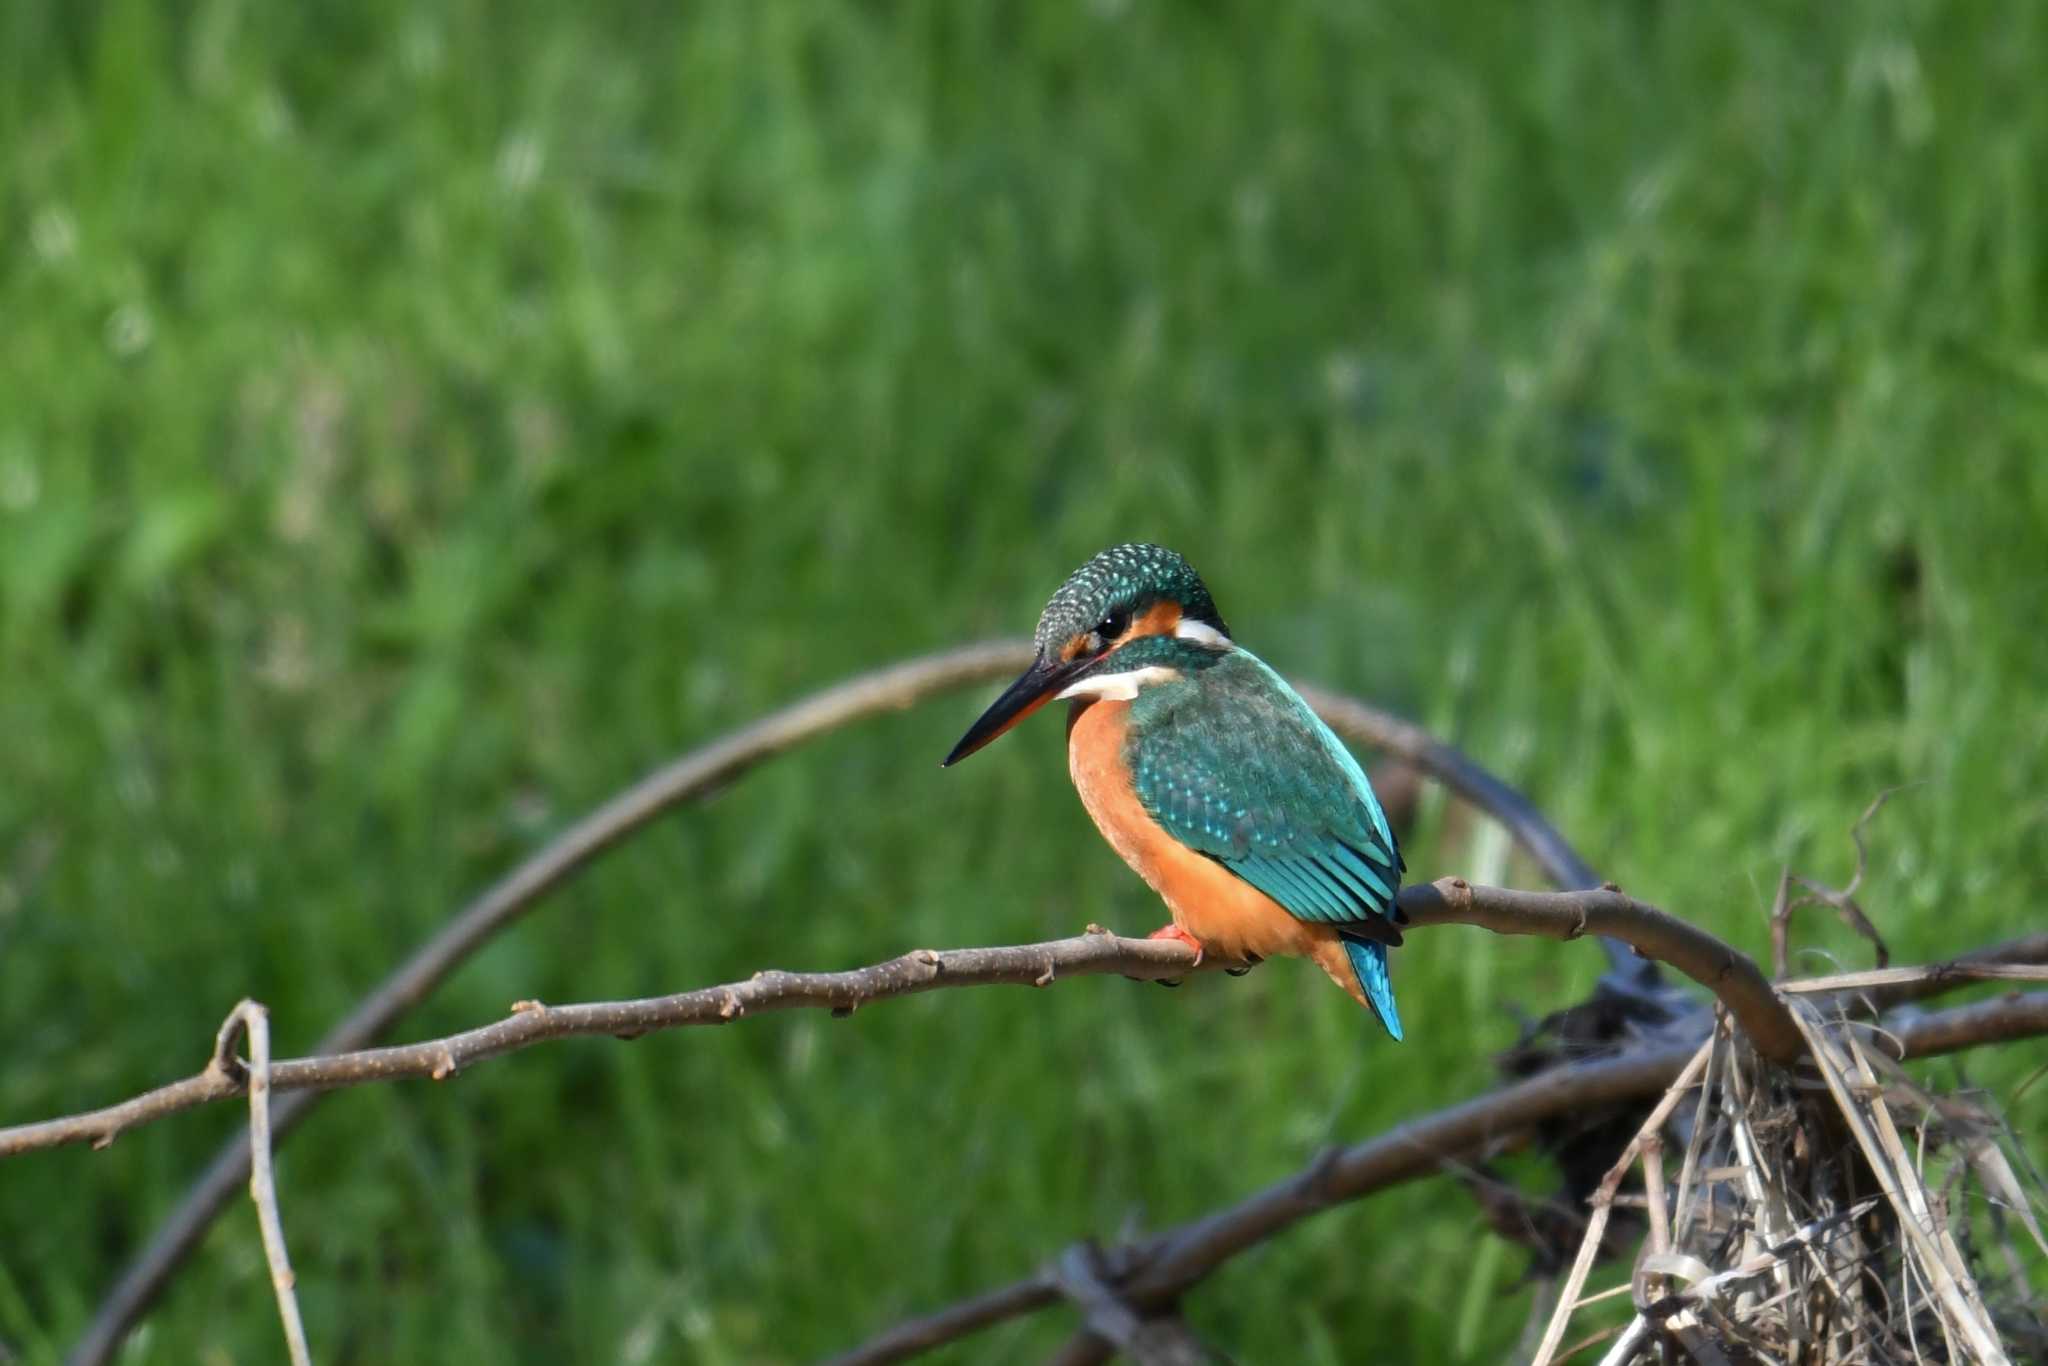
[[1945, 974], [1689, 1167], [1624, 1347], [1843, 899], [1781, 924], [1653, 1192], [253, 1020], [1158, 1340], [1167, 1264], [695, 775]]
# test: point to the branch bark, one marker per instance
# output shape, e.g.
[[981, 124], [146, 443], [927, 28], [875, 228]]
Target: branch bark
[[1160, 1340], [1555, 915], [1168, 1264], [532, 1022], [693, 776], [1753, 1002], [1730, 974]]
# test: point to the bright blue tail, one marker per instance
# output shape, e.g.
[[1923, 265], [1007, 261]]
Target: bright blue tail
[[1369, 961]]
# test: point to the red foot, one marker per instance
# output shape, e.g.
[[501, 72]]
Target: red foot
[[1176, 932]]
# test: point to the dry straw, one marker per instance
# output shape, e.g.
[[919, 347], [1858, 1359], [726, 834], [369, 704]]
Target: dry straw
[[1831, 1214]]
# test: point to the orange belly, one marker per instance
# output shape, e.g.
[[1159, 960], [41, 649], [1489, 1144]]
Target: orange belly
[[1233, 919]]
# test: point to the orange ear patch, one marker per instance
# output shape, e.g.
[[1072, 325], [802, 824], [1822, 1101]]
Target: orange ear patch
[[1159, 619]]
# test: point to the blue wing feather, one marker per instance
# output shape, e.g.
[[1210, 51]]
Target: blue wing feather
[[1362, 869], [1234, 765], [1293, 884]]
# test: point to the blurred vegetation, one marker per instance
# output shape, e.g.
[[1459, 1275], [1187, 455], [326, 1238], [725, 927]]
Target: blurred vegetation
[[416, 421]]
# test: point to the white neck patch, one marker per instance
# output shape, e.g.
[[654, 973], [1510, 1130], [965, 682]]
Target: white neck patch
[[1202, 633], [1121, 687]]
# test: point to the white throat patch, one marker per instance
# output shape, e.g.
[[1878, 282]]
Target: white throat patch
[[1121, 687]]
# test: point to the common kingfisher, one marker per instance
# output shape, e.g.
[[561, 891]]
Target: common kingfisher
[[1210, 776]]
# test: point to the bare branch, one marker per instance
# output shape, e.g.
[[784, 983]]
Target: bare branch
[[915, 1337], [1555, 915], [254, 1020], [1842, 899], [1735, 979], [1169, 1263], [2018, 1015], [531, 1022], [1160, 1340], [1728, 973], [1944, 974], [692, 777], [1781, 925], [1886, 987]]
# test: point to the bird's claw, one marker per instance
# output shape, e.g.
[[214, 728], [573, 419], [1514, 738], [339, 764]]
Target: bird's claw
[[1174, 931]]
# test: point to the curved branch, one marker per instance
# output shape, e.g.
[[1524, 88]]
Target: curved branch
[[1730, 974], [692, 777], [1167, 1264], [251, 1019], [1555, 915]]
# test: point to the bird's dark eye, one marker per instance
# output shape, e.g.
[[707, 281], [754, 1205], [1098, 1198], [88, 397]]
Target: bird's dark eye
[[1113, 625]]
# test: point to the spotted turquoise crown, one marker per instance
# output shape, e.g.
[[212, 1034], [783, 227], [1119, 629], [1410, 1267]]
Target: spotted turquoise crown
[[1124, 578]]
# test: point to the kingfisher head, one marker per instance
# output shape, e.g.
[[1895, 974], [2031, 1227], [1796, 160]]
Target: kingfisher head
[[1134, 614]]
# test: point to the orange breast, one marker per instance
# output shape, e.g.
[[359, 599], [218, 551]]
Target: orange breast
[[1232, 918]]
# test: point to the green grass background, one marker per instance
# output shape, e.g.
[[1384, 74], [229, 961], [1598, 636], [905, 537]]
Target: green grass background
[[416, 421]]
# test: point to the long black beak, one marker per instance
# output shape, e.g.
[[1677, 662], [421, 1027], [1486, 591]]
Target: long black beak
[[1032, 690]]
